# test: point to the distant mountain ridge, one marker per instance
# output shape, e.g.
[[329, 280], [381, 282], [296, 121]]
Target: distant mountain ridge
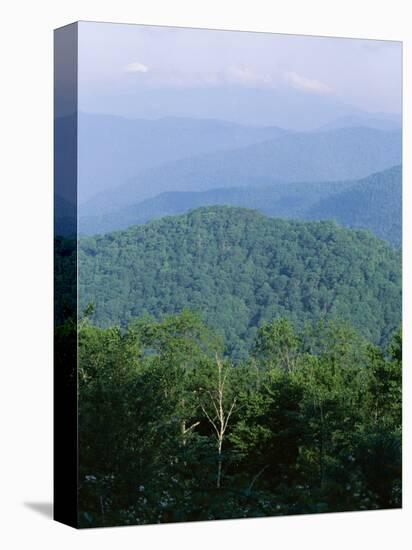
[[277, 199], [373, 203], [284, 107], [336, 155], [377, 121], [113, 149]]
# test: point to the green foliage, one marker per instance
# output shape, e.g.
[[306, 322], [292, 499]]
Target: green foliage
[[240, 269], [276, 344], [232, 365], [312, 422]]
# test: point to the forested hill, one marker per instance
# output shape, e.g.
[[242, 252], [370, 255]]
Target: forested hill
[[239, 268], [373, 203]]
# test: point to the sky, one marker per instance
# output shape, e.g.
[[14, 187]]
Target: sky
[[122, 66]]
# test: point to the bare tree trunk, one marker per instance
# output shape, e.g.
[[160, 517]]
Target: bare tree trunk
[[221, 418], [185, 430], [219, 464]]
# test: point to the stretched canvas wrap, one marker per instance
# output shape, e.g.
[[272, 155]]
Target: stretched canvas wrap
[[228, 216]]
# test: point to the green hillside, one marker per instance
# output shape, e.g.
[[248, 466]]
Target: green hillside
[[239, 268]]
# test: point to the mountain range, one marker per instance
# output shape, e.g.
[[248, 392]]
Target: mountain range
[[286, 107], [335, 155], [373, 203], [113, 150]]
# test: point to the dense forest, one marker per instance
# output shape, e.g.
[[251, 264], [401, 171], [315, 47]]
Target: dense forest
[[170, 429], [233, 365], [239, 268]]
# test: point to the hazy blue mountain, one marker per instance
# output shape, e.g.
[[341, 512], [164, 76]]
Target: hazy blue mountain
[[279, 199], [342, 154], [287, 108], [378, 121], [374, 203], [113, 149]]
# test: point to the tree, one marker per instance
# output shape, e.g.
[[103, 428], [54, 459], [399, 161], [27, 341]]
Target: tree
[[276, 345], [159, 403], [218, 403]]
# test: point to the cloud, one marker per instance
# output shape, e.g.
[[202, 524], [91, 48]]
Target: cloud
[[239, 75], [136, 67], [307, 84], [244, 75]]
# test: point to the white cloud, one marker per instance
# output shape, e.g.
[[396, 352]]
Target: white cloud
[[307, 84], [236, 74], [136, 67], [244, 75], [239, 75]]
